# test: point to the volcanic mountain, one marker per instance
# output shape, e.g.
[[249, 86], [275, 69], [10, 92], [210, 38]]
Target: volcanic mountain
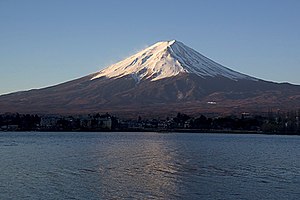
[[165, 78]]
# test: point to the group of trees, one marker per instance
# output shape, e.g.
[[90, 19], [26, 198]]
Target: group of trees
[[27, 122], [219, 123], [283, 123], [24, 122], [278, 123]]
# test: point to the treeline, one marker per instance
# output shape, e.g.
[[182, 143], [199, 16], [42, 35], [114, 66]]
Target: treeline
[[273, 123], [27, 122], [16, 121]]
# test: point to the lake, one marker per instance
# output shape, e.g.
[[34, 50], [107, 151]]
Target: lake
[[148, 166]]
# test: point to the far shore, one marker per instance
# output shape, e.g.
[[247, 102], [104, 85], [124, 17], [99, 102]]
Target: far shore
[[198, 131]]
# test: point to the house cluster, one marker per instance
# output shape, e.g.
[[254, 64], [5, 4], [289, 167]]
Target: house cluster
[[279, 122], [18, 122], [95, 122]]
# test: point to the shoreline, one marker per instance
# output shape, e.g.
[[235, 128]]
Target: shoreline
[[197, 131]]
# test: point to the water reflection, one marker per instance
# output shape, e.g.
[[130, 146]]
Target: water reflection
[[147, 169], [148, 166]]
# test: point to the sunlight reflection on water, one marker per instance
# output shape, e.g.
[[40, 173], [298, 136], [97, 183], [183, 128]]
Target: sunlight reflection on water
[[148, 166]]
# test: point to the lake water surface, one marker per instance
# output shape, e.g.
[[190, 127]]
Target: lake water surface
[[148, 166]]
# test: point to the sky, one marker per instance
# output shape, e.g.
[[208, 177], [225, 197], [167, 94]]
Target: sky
[[44, 43]]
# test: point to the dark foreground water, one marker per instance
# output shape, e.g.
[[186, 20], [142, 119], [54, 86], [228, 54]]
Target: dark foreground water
[[148, 166]]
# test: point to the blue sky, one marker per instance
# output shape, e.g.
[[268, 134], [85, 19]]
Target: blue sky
[[43, 43]]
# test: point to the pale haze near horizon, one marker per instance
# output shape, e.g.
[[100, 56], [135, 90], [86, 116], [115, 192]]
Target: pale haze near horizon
[[44, 43]]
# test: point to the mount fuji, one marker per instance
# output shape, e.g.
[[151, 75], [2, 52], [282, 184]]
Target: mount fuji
[[168, 59], [165, 78]]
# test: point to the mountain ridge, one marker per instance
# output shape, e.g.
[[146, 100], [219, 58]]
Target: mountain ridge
[[166, 59], [196, 85]]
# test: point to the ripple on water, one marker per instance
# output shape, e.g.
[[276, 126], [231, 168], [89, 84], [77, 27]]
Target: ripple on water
[[148, 166]]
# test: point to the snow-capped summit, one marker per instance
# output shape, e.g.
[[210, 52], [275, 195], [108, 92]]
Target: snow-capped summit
[[167, 59]]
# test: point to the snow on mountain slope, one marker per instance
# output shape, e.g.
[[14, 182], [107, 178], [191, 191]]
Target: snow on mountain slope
[[167, 59]]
